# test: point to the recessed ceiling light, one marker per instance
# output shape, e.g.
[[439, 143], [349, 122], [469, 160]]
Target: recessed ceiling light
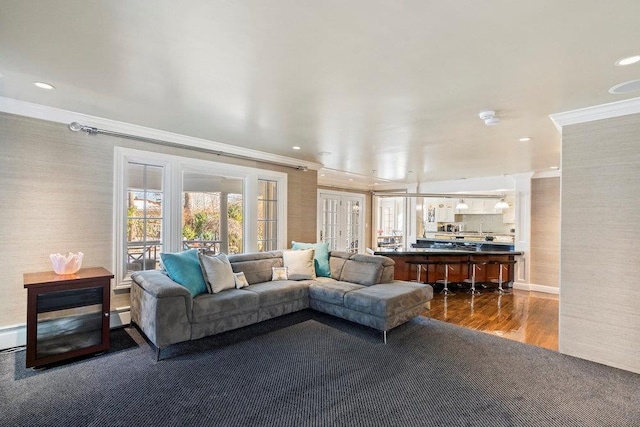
[[42, 85], [626, 87], [322, 174], [628, 60], [555, 168], [350, 179], [525, 139], [295, 147]]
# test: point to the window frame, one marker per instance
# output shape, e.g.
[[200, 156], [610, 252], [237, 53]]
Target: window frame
[[172, 181]]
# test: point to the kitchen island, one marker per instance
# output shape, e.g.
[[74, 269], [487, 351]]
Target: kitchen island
[[408, 262]]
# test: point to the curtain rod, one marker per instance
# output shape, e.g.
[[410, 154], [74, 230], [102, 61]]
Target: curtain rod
[[77, 127]]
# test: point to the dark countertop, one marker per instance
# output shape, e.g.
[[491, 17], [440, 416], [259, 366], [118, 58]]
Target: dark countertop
[[461, 239], [431, 251]]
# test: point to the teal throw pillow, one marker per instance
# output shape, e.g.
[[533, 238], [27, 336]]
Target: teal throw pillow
[[184, 268], [320, 256]]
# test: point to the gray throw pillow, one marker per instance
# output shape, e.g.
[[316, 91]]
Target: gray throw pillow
[[217, 272]]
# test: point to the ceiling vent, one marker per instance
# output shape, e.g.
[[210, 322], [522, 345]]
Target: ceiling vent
[[489, 118]]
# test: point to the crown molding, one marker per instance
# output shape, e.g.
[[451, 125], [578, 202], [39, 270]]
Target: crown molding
[[57, 115], [597, 112], [547, 174]]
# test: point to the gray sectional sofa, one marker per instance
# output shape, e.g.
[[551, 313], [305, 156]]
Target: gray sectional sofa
[[361, 289]]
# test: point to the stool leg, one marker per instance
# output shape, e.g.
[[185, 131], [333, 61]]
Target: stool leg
[[446, 290], [473, 289], [500, 289]]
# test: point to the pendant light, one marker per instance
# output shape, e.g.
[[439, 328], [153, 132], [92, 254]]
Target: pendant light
[[462, 205], [502, 204]]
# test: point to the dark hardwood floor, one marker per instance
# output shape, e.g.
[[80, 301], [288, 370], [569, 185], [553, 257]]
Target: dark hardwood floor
[[528, 317]]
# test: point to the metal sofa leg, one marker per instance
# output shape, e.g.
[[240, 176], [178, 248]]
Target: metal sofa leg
[[157, 354], [384, 336]]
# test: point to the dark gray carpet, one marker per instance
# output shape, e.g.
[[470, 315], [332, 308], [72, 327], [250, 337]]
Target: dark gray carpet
[[307, 369]]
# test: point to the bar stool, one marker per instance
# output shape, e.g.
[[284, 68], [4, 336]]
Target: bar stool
[[418, 265], [423, 263], [474, 265], [447, 265], [501, 264]]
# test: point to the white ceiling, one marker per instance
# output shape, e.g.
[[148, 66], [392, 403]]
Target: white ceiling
[[393, 87]]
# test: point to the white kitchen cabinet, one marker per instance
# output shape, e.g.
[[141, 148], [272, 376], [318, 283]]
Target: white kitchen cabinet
[[509, 215], [445, 210], [479, 207]]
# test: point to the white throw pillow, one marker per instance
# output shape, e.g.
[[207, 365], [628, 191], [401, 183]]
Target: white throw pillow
[[299, 264], [278, 273], [241, 280], [217, 272]]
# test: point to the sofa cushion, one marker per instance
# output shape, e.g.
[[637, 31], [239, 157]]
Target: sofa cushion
[[271, 293], [230, 302], [256, 266], [299, 264], [388, 299], [331, 292], [217, 272], [184, 268], [320, 256]]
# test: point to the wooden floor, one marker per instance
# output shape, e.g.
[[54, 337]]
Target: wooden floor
[[528, 317]]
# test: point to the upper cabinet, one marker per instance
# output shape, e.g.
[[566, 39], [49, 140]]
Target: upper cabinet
[[445, 210], [509, 215], [479, 206]]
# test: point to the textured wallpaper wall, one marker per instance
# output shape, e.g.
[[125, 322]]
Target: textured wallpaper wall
[[600, 262], [545, 231], [56, 188]]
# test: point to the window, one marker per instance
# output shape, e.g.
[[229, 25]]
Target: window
[[212, 208], [169, 203], [267, 215], [144, 216]]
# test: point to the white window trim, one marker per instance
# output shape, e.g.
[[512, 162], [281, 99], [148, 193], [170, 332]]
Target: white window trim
[[174, 167]]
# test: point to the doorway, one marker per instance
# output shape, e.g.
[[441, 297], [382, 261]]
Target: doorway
[[340, 221]]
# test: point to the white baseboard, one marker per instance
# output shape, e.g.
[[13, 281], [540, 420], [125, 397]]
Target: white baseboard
[[13, 336], [16, 335], [536, 288], [119, 317]]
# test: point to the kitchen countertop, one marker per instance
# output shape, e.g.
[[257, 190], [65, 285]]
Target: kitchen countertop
[[505, 238], [435, 251], [461, 239]]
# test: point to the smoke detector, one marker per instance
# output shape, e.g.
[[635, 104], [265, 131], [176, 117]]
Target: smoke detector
[[489, 118]]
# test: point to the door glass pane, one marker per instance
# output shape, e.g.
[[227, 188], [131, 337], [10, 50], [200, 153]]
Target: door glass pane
[[352, 226], [267, 215], [329, 230]]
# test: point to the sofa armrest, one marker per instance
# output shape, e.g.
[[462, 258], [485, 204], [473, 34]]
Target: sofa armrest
[[158, 284], [161, 308]]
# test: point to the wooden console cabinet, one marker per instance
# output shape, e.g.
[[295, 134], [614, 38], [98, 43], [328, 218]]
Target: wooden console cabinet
[[67, 315]]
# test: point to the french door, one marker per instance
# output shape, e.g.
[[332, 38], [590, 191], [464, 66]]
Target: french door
[[340, 220]]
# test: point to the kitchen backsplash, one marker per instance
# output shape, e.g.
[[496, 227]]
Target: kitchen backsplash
[[490, 223]]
